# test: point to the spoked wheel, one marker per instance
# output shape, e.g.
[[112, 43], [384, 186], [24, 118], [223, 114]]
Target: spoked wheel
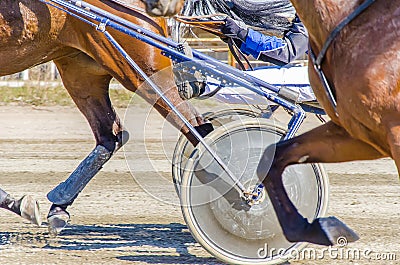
[[220, 220], [184, 148]]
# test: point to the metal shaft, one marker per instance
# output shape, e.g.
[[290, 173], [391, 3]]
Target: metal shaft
[[175, 110]]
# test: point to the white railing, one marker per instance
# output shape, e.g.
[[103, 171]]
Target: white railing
[[44, 75]]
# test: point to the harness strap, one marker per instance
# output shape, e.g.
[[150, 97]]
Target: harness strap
[[234, 51], [324, 80], [336, 31], [211, 26], [318, 60], [130, 6], [205, 18]]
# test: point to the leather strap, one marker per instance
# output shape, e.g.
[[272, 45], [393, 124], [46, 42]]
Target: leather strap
[[318, 60]]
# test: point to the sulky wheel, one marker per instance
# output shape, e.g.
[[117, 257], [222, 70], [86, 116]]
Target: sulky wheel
[[184, 148], [222, 222]]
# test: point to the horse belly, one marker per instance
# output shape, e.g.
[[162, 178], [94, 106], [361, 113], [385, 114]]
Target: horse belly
[[366, 67], [369, 96], [13, 61]]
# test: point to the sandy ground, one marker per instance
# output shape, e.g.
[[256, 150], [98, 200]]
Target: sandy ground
[[114, 221]]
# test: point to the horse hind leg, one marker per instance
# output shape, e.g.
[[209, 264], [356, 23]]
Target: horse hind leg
[[26, 207], [328, 143], [88, 85], [393, 136]]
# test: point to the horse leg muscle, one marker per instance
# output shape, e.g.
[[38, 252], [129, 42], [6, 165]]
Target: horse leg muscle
[[325, 144]]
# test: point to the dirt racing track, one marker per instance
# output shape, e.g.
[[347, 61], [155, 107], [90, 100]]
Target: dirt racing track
[[115, 221]]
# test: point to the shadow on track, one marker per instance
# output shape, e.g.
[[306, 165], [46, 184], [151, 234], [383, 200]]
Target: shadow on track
[[150, 243]]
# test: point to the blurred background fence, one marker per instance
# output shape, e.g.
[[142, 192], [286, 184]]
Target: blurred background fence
[[42, 86], [45, 75]]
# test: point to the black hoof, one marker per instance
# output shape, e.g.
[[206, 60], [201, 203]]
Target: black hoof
[[336, 231], [204, 129], [57, 219], [325, 231], [122, 138]]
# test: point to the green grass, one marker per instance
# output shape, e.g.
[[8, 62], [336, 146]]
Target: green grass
[[55, 96], [34, 96], [58, 96]]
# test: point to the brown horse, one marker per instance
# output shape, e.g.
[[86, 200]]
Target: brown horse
[[363, 67], [33, 33]]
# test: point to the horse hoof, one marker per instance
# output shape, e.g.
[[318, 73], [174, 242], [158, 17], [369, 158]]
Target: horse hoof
[[57, 219], [337, 232], [29, 209]]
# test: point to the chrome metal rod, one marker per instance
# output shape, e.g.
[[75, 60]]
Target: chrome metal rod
[[175, 110]]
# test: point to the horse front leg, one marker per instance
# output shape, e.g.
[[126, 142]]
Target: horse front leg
[[328, 143], [88, 85]]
